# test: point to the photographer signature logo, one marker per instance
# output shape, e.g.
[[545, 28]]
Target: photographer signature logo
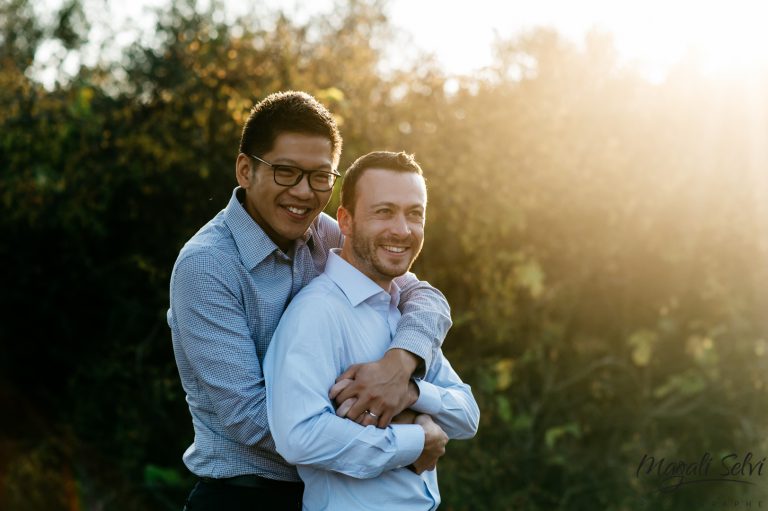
[[671, 475]]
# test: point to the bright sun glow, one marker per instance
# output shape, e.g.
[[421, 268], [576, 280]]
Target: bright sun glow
[[724, 36]]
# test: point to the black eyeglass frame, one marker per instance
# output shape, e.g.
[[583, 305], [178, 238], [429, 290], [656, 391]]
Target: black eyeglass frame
[[309, 173]]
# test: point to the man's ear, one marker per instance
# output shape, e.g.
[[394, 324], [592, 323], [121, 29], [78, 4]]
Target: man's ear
[[344, 218], [243, 170]]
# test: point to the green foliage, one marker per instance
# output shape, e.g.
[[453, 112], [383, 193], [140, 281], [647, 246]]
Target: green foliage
[[21, 35], [601, 240]]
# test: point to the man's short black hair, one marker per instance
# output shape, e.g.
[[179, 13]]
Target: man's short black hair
[[288, 111], [399, 162]]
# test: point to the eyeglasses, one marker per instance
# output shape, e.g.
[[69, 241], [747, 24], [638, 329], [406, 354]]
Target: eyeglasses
[[288, 175]]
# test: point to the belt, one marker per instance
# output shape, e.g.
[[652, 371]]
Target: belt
[[253, 481]]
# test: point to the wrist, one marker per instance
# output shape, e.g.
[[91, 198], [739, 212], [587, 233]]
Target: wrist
[[406, 360], [413, 393]]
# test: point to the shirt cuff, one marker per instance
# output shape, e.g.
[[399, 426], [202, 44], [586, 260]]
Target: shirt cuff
[[429, 400], [420, 347], [410, 443]]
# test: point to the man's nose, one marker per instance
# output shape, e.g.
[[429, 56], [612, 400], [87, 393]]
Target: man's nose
[[302, 189], [399, 226]]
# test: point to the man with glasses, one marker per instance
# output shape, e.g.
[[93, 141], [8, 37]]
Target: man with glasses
[[230, 285]]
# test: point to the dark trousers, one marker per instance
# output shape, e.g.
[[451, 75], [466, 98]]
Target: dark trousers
[[218, 495]]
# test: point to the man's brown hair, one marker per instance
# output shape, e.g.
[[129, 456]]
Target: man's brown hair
[[399, 162]]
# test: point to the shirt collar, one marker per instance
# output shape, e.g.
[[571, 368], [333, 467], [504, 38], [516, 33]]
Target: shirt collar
[[252, 242], [355, 285]]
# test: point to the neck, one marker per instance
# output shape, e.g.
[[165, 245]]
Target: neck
[[349, 256], [282, 243]]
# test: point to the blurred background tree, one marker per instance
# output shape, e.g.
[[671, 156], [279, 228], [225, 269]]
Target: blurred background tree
[[602, 241]]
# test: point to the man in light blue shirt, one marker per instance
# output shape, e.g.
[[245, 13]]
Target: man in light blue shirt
[[232, 282], [348, 315]]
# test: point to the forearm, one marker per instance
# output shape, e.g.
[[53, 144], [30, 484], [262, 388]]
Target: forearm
[[241, 409], [448, 400], [238, 403], [453, 409], [328, 442], [425, 320]]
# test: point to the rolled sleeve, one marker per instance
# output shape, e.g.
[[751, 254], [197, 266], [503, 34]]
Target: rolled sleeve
[[425, 320]]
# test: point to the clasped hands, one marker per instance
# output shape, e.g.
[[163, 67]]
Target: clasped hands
[[379, 393]]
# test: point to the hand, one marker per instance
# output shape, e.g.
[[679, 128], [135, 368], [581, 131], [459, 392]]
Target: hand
[[407, 416], [435, 441], [383, 388], [341, 408]]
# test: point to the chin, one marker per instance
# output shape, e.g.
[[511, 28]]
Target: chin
[[294, 232], [393, 273]]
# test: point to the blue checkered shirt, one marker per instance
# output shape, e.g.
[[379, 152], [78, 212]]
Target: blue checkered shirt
[[229, 288]]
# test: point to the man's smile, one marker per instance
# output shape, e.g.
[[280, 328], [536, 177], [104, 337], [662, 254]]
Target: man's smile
[[394, 249], [299, 212]]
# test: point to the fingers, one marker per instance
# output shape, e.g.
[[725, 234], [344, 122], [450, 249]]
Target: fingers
[[361, 405], [385, 419], [343, 409], [384, 411], [349, 373], [370, 420], [339, 386], [367, 418], [351, 389], [419, 467]]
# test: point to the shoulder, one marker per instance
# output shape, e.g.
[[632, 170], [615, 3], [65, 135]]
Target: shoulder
[[203, 259], [202, 263], [326, 222], [326, 231], [318, 306], [213, 246], [320, 294]]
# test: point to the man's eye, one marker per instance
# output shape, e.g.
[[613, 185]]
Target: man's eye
[[321, 178], [285, 171]]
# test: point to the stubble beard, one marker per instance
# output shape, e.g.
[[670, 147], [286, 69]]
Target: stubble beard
[[364, 248]]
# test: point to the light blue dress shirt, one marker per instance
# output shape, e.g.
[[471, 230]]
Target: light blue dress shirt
[[339, 319], [229, 287]]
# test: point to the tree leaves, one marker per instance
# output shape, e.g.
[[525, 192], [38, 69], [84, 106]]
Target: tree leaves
[[601, 241]]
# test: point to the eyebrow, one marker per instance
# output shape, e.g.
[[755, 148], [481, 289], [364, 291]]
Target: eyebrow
[[393, 205], [287, 162]]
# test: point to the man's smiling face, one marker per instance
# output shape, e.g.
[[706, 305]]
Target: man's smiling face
[[285, 212], [386, 229]]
